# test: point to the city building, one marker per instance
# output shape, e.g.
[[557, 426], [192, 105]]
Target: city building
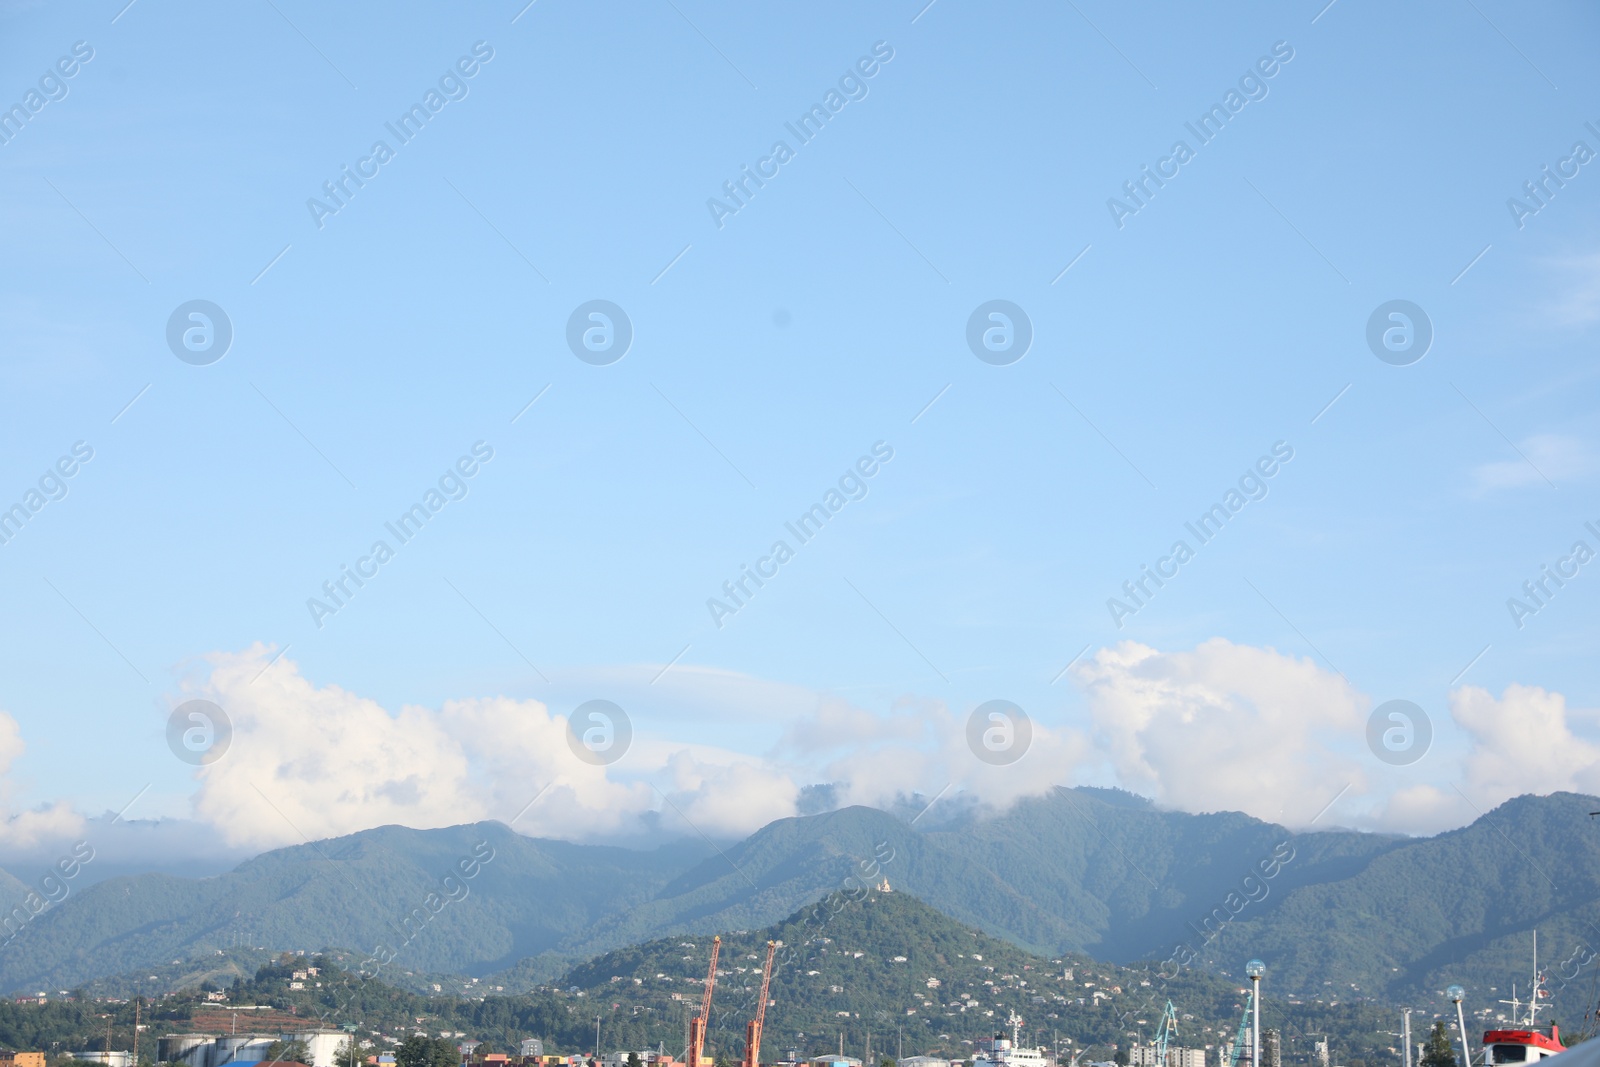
[[21, 1059], [1145, 1056]]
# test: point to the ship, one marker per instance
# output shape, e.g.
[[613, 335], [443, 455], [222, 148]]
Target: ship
[[1003, 1051], [1520, 1046], [1524, 1041]]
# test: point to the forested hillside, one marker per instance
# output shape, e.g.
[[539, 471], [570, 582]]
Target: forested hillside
[[1086, 871], [857, 965]]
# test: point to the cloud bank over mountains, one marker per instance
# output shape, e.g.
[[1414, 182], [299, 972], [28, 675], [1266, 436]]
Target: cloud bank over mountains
[[1222, 726]]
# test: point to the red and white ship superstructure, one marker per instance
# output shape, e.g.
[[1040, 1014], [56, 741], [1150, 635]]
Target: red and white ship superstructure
[[1525, 1043]]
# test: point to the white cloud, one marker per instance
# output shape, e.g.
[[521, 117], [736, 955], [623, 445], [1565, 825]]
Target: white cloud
[[1227, 727], [1218, 727], [727, 799], [1522, 743], [309, 762], [25, 829], [1422, 809], [920, 747], [1549, 456]]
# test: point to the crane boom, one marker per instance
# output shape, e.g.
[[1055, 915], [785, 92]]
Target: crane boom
[[1244, 1032], [752, 1034], [711, 979], [697, 1025], [1169, 1029]]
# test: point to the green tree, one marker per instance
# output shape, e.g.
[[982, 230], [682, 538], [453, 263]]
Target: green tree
[[887, 1061], [293, 1051], [1121, 1057], [633, 1060], [1439, 1052], [426, 1052]]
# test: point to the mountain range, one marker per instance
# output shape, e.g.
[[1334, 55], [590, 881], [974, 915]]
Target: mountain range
[[862, 969], [1090, 871]]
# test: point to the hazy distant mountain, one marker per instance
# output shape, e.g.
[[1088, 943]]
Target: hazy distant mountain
[[1459, 907], [1086, 870], [354, 891], [1124, 880], [12, 888]]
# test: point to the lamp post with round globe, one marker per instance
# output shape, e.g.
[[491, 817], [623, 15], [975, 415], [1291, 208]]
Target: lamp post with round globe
[[1255, 969], [1456, 993]]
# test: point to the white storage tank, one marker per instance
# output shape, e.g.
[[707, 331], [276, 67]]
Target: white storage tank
[[183, 1048], [114, 1058], [322, 1046]]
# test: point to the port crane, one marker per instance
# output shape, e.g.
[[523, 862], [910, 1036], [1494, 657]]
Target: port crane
[[1244, 1032], [1169, 1030], [697, 1025], [752, 1033]]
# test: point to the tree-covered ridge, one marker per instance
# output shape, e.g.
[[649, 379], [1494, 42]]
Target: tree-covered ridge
[[893, 967], [897, 969], [1085, 871]]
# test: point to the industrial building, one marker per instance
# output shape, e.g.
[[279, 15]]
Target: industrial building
[[205, 1050], [113, 1058]]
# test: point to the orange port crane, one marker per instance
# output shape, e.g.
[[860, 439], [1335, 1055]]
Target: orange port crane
[[752, 1032], [697, 1025]]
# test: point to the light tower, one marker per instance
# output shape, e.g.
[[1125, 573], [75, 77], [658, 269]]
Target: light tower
[[1456, 993], [1255, 969]]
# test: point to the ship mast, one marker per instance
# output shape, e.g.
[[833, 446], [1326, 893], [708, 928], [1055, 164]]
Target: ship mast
[[1533, 998]]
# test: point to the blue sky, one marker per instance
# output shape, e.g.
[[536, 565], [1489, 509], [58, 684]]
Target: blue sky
[[769, 353]]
